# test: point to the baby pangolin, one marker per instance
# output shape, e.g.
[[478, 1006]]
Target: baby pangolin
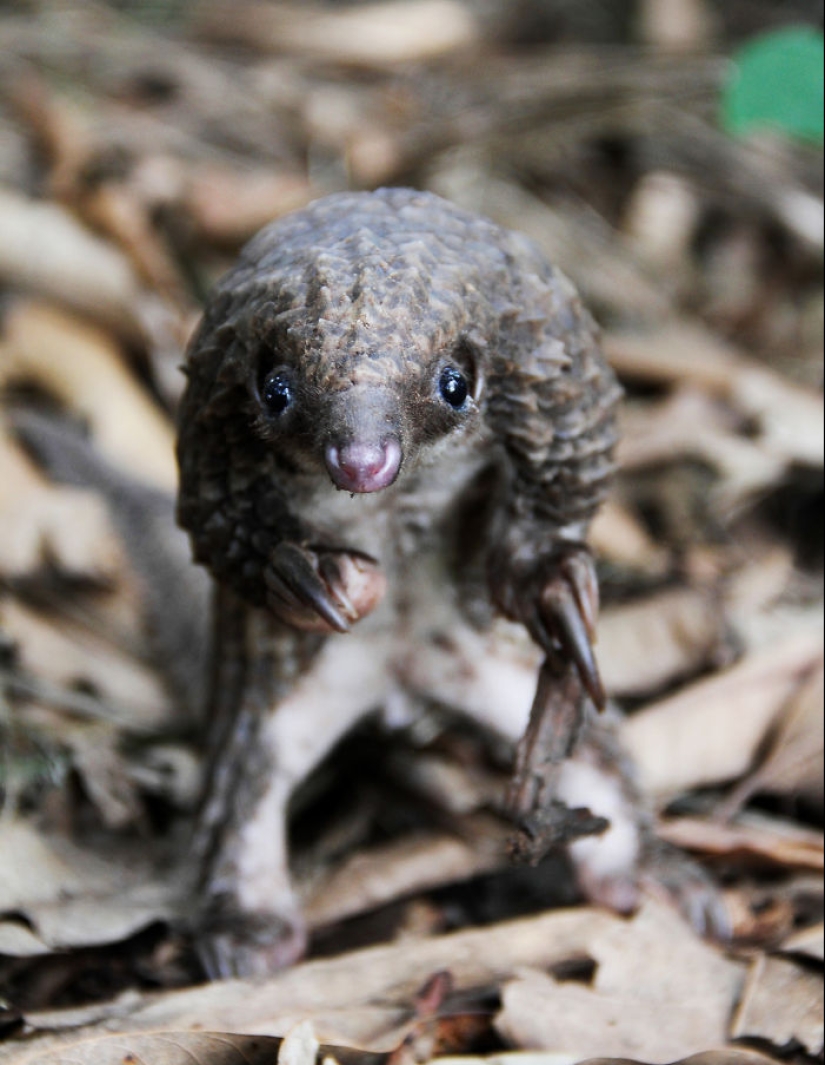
[[397, 426]]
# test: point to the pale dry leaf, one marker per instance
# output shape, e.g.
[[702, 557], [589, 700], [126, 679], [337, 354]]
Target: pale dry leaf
[[83, 367], [795, 760], [782, 1002], [402, 867], [365, 998], [769, 839], [618, 536], [810, 941], [668, 431], [788, 419], [65, 654], [70, 896], [652, 966], [46, 251], [651, 642], [722, 1056], [46, 525], [115, 210], [228, 206], [710, 732], [375, 34], [158, 1048], [300, 1047]]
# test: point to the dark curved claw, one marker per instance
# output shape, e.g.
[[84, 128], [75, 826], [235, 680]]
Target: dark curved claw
[[302, 593], [563, 616]]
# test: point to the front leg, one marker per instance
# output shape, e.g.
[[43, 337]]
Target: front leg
[[555, 596], [283, 700]]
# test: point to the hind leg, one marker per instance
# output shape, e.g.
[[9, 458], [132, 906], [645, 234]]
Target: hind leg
[[267, 742]]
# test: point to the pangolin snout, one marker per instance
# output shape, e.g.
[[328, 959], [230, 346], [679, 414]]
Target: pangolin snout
[[363, 466]]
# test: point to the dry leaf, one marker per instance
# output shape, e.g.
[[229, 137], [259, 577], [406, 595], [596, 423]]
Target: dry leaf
[[44, 250], [767, 839], [375, 877], [652, 966], [376, 34], [795, 760], [70, 896], [67, 655], [84, 368], [42, 524], [648, 643], [810, 941], [619, 537], [782, 1002], [365, 998], [710, 732]]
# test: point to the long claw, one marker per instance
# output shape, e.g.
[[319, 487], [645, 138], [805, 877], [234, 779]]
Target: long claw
[[292, 572], [571, 629]]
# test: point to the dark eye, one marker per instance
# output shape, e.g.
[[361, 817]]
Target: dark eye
[[277, 393], [453, 387]]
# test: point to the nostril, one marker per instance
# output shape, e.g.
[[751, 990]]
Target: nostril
[[364, 466]]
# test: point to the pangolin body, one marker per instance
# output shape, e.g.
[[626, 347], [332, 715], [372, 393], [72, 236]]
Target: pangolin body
[[397, 425]]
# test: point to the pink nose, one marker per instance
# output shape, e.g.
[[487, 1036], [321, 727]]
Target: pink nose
[[364, 467]]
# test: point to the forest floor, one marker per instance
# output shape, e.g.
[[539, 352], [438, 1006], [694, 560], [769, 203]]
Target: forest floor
[[140, 146]]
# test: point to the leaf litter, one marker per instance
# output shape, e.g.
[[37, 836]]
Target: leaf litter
[[127, 184]]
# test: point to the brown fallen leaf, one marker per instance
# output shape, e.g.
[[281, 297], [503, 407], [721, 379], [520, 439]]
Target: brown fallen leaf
[[618, 536], [375, 34], [229, 206], [68, 896], [84, 369], [652, 966], [381, 874], [782, 1002], [651, 642], [794, 762], [361, 999], [711, 731], [184, 1048], [47, 525], [763, 839], [723, 1056], [809, 941], [67, 655], [46, 251], [787, 420]]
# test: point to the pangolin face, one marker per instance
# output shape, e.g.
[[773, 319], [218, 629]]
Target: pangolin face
[[364, 371]]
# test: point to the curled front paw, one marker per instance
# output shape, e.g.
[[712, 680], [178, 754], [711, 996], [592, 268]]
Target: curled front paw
[[319, 589], [556, 597]]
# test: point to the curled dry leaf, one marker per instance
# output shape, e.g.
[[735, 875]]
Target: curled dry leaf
[[710, 732], [401, 868], [44, 250], [787, 419], [84, 368], [618, 536], [782, 1002], [67, 655], [794, 762], [68, 896], [376, 34], [649, 643], [767, 840], [42, 524], [651, 966], [229, 206], [365, 998]]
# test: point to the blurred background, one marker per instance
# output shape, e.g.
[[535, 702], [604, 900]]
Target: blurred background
[[667, 154]]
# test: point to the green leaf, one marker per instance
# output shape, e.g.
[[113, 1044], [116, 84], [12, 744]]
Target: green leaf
[[777, 82]]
